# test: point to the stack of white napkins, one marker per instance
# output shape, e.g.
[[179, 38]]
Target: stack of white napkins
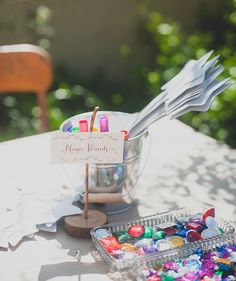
[[24, 211]]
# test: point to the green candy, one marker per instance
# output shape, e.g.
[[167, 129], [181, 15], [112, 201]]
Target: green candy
[[159, 235], [122, 236], [179, 263], [167, 277], [148, 232], [75, 130], [118, 233], [218, 273], [220, 230]]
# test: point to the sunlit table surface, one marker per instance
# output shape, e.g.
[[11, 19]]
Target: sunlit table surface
[[183, 167]]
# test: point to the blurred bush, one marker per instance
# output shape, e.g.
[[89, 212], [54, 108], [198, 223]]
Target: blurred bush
[[169, 47]]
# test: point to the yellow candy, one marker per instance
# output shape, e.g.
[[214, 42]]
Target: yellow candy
[[128, 247], [224, 261], [176, 241], [157, 267]]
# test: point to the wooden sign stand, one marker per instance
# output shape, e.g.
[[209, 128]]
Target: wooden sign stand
[[80, 225]]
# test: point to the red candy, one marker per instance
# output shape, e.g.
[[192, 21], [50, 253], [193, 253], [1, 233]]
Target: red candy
[[192, 236], [193, 226], [136, 230], [170, 231], [209, 213], [110, 243]]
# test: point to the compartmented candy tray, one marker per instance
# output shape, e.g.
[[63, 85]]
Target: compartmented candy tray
[[217, 265], [162, 236]]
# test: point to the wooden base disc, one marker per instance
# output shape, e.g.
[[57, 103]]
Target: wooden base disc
[[77, 226]]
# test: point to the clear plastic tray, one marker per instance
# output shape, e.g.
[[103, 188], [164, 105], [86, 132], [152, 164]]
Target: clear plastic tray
[[227, 237], [152, 261]]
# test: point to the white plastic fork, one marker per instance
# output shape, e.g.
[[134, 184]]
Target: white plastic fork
[[194, 92], [203, 102], [186, 69], [156, 102], [190, 81]]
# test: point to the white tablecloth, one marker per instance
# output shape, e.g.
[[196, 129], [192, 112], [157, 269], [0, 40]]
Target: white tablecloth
[[183, 167]]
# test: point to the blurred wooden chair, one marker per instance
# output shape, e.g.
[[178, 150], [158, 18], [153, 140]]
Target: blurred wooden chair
[[26, 68]]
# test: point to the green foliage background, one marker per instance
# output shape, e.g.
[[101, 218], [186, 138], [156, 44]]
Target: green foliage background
[[170, 47]]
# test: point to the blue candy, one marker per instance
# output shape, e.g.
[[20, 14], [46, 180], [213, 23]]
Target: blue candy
[[221, 248], [69, 130], [198, 252], [182, 233], [224, 267]]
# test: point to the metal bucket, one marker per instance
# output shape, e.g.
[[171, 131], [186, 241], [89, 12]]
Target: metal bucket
[[115, 181]]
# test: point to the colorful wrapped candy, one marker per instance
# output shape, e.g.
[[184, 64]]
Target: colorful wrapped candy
[[197, 267], [136, 230], [111, 244], [145, 239]]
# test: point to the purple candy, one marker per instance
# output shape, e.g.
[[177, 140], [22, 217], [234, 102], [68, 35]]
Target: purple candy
[[205, 272], [208, 264], [150, 249], [209, 255], [232, 247], [224, 254]]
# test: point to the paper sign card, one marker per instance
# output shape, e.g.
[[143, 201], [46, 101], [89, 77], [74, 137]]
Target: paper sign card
[[91, 148]]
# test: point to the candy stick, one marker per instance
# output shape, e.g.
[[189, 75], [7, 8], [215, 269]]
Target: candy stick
[[85, 214], [83, 125], [126, 134], [104, 123]]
